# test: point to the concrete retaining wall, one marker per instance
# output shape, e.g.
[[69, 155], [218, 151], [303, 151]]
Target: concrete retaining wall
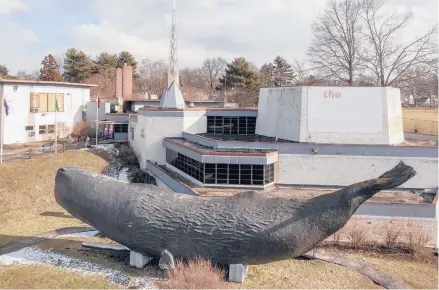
[[331, 170], [408, 210], [170, 182]]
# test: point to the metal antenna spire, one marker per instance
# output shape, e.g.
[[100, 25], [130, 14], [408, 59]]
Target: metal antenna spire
[[173, 75], [172, 96]]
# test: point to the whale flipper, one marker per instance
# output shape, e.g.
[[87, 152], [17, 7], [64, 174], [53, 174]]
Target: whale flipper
[[166, 260]]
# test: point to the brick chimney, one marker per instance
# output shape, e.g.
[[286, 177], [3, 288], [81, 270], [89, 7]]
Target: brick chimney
[[118, 83], [127, 82]]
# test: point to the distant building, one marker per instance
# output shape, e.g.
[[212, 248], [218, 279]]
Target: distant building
[[31, 108]]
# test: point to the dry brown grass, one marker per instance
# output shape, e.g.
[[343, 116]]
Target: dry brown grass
[[196, 274], [303, 274], [26, 193], [418, 275], [46, 277], [420, 120]]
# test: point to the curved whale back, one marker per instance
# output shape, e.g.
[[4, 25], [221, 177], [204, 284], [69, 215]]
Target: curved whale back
[[248, 228]]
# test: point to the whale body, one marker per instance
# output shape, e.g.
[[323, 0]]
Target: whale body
[[247, 228]]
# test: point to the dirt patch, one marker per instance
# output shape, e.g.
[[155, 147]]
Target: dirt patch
[[311, 192]]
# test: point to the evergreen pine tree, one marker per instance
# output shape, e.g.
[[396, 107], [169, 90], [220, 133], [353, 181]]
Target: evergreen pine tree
[[50, 70], [283, 72], [77, 66]]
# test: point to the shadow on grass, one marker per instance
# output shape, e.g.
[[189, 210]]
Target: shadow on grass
[[56, 214]]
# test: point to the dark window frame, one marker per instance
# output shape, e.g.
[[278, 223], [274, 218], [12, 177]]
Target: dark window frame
[[222, 173], [120, 128]]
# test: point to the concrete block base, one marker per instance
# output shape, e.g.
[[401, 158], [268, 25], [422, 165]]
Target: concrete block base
[[237, 272], [138, 260]]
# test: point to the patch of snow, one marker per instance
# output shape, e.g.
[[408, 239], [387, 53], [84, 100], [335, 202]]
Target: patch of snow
[[36, 256], [124, 175], [89, 234]]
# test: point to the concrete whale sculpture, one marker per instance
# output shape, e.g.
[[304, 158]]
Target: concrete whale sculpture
[[248, 228]]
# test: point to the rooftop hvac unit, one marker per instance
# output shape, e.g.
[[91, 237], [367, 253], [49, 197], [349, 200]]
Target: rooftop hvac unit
[[31, 134], [34, 110]]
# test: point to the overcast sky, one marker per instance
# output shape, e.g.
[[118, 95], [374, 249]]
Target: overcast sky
[[256, 29]]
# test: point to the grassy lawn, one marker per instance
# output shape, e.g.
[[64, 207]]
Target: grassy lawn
[[45, 277], [26, 193], [423, 120]]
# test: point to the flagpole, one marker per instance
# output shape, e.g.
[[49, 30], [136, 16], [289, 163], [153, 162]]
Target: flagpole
[[56, 123], [97, 119], [3, 125]]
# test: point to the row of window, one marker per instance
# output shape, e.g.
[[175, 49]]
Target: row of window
[[231, 125], [42, 129], [121, 128], [43, 102], [213, 173]]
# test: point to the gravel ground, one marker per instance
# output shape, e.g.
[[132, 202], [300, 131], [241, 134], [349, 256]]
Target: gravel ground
[[35, 256]]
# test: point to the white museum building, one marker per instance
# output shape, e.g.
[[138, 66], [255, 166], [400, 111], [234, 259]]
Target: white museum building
[[295, 135], [29, 109]]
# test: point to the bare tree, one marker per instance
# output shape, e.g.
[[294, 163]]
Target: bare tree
[[300, 71], [211, 70], [152, 77], [419, 83], [386, 56], [193, 84], [334, 49]]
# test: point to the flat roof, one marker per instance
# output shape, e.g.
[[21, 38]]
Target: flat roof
[[245, 138], [187, 101], [199, 148], [198, 109], [36, 82]]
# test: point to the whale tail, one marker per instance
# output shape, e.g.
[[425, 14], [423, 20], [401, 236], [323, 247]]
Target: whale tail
[[394, 177], [360, 192]]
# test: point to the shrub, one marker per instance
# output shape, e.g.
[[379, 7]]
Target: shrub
[[358, 235], [82, 128], [196, 274], [393, 232], [417, 235], [336, 237], [126, 154]]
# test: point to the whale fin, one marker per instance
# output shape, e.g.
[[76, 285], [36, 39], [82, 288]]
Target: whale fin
[[166, 260]]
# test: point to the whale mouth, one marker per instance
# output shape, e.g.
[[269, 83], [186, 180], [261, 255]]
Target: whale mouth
[[62, 182]]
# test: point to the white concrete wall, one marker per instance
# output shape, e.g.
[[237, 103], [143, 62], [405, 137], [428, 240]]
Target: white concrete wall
[[337, 170], [279, 113], [350, 115], [75, 99], [339, 115], [121, 136], [117, 117], [396, 130], [195, 122], [156, 128], [104, 108]]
